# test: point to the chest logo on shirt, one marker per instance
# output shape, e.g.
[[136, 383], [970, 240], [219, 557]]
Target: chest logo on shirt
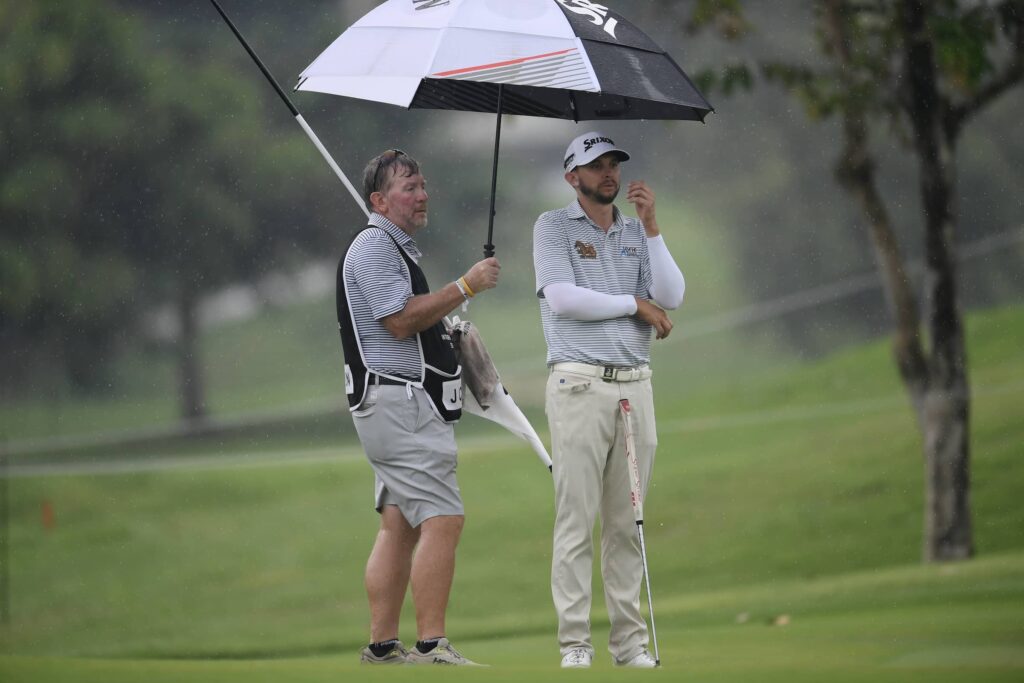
[[630, 251], [585, 250]]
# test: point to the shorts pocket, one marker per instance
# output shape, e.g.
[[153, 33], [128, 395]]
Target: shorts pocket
[[369, 405]]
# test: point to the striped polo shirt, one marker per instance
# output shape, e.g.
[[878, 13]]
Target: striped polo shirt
[[569, 247], [377, 284]]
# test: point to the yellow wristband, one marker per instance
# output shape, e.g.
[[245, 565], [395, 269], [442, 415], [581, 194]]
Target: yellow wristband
[[467, 287]]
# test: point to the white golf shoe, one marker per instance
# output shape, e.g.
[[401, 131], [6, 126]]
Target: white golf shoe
[[644, 660], [577, 658]]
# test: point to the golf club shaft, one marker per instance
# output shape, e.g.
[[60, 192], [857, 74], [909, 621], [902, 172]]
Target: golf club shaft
[[330, 162], [647, 582], [295, 112], [636, 494]]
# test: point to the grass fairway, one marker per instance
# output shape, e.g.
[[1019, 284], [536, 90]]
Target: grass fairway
[[960, 623], [783, 531]]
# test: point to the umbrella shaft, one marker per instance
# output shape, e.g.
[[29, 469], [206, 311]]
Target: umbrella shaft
[[489, 246]]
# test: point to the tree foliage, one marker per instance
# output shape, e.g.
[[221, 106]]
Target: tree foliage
[[69, 107], [924, 69], [134, 174]]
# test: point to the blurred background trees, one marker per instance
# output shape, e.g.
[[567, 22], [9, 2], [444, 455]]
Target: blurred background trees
[[74, 143], [148, 167], [140, 171], [919, 71]]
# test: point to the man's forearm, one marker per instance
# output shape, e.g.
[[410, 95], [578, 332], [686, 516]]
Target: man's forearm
[[668, 285], [580, 303], [422, 311]]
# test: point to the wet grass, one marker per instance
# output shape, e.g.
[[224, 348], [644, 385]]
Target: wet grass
[[783, 532]]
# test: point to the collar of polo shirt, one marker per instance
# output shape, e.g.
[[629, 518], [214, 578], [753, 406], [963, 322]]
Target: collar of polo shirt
[[575, 210], [401, 236]]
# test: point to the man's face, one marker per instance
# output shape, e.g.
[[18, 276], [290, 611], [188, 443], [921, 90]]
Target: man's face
[[404, 200], [599, 180]]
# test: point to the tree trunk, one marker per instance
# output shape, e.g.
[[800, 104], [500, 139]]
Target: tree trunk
[[947, 527], [190, 374], [856, 174]]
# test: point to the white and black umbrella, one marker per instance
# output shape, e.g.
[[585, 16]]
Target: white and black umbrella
[[567, 59], [570, 59], [493, 402]]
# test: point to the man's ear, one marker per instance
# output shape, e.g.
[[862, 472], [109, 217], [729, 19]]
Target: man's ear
[[572, 178], [378, 203]]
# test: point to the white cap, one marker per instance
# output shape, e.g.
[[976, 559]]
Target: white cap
[[588, 147]]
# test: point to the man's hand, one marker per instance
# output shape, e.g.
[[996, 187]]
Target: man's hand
[[424, 310], [650, 313], [642, 197], [483, 275]]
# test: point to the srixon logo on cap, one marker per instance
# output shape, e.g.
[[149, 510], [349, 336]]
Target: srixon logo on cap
[[598, 14], [590, 142]]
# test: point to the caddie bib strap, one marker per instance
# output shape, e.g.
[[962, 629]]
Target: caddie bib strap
[[440, 373]]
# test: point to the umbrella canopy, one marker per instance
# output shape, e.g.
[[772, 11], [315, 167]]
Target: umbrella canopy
[[569, 59]]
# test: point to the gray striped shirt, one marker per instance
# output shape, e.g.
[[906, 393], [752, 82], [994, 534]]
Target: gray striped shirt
[[569, 247], [377, 284]]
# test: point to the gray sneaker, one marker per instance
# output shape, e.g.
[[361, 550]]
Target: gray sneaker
[[443, 653], [397, 655]]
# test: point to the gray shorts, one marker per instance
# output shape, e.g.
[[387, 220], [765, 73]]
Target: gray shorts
[[412, 452]]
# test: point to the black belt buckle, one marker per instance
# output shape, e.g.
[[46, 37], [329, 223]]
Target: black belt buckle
[[609, 373]]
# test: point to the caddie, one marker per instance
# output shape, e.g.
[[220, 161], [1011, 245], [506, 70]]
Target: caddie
[[404, 392]]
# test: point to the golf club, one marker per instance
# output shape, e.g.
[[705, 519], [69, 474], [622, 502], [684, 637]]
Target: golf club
[[295, 112], [638, 510]]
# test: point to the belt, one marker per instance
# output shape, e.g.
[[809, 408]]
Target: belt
[[607, 373], [377, 379]]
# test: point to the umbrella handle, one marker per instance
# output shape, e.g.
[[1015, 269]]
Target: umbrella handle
[[489, 246]]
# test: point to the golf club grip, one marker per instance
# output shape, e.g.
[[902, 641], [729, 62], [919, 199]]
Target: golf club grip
[[633, 470], [488, 250]]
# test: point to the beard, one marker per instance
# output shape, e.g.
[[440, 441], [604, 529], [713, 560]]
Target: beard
[[600, 196]]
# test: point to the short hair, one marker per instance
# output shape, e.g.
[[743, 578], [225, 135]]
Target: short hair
[[376, 177]]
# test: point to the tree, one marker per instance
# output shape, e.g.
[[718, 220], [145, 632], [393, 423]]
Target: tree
[[229, 197], [923, 70], [69, 82], [135, 175]]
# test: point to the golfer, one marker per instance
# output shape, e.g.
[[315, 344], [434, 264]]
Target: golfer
[[597, 272], [404, 391]]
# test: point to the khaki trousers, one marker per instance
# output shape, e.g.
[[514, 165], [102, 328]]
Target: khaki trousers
[[590, 473]]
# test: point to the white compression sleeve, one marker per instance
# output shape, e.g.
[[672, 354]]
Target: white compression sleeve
[[668, 285], [580, 303]]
